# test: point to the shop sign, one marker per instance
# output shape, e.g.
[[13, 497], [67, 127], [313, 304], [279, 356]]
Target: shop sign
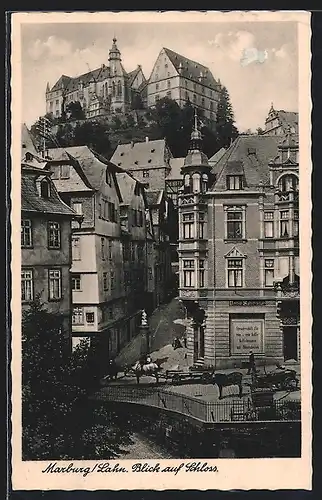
[[246, 336], [250, 303]]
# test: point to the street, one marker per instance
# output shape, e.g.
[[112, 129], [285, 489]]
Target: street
[[142, 448]]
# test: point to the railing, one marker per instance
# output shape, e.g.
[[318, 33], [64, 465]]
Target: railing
[[205, 411]]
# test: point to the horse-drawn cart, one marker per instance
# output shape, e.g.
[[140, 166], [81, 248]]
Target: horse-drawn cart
[[179, 376], [283, 380]]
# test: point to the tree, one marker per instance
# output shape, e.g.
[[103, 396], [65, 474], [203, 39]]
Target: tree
[[259, 131], [75, 111], [226, 131], [59, 422]]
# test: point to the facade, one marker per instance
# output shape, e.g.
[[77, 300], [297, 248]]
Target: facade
[[148, 162], [183, 80], [164, 222], [106, 90], [138, 245], [174, 180], [239, 251], [280, 122], [45, 246]]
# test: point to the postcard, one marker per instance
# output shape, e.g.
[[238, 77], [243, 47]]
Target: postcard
[[161, 285]]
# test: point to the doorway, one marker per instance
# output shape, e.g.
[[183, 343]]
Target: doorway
[[290, 342], [198, 343]]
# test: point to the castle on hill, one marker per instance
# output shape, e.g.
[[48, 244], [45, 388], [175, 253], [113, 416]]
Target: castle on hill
[[110, 89]]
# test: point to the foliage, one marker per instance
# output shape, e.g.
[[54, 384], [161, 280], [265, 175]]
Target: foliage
[[167, 120], [259, 131], [58, 420], [75, 111]]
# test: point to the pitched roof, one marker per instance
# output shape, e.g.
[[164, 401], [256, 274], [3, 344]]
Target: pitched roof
[[248, 155], [191, 69], [176, 164], [61, 83], [32, 202], [216, 157], [132, 74], [91, 166], [150, 154], [127, 186], [27, 141]]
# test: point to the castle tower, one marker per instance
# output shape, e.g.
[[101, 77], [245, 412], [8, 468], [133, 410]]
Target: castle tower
[[117, 79]]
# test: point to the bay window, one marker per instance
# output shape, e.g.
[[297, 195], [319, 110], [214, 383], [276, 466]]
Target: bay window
[[189, 273], [188, 226]]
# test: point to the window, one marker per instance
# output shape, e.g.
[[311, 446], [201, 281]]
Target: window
[[169, 84], [269, 272], [126, 251], [44, 189], [201, 273], [26, 233], [90, 318], [234, 182], [203, 102], [110, 248], [108, 178], [57, 102], [188, 223], [188, 273], [55, 172], [53, 235], [55, 284], [140, 218], [105, 281], [103, 248], [157, 98], [284, 224], [76, 282], [111, 212], [65, 172], [78, 207], [296, 223], [235, 273], [194, 97], [201, 225], [146, 174], [78, 316], [235, 225], [157, 86], [186, 96], [211, 105], [288, 182], [169, 94], [269, 224], [27, 285], [112, 276], [76, 249]]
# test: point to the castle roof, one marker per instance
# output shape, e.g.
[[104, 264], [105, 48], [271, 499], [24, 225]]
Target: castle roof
[[27, 142], [248, 155], [191, 69]]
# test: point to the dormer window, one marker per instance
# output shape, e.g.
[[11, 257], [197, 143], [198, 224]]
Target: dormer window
[[44, 189], [234, 182]]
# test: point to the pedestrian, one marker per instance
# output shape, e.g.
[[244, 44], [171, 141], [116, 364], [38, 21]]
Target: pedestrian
[[251, 363]]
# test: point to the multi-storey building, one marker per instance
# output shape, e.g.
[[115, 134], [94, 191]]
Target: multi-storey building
[[239, 251], [183, 80], [138, 245], [148, 162], [45, 246], [105, 90], [280, 122]]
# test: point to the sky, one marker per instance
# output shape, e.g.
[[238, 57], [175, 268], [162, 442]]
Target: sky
[[50, 50]]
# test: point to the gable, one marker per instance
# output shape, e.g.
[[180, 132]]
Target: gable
[[163, 68], [234, 253]]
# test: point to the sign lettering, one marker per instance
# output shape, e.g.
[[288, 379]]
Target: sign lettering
[[246, 335]]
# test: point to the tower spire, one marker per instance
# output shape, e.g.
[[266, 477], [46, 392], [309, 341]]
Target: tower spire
[[196, 139]]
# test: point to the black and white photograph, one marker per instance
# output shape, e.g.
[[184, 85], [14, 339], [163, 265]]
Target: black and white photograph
[[163, 194]]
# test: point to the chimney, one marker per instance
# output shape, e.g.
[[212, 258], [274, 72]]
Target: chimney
[[146, 139]]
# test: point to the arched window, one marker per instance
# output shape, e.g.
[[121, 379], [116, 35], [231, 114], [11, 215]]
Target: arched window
[[119, 88], [187, 180], [196, 182], [44, 189], [288, 182], [113, 89]]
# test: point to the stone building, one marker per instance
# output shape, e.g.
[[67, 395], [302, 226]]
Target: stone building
[[184, 80], [239, 251], [103, 91], [45, 246], [103, 309], [148, 162], [280, 122]]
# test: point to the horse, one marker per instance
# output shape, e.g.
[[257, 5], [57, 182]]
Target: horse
[[224, 380], [150, 369]]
